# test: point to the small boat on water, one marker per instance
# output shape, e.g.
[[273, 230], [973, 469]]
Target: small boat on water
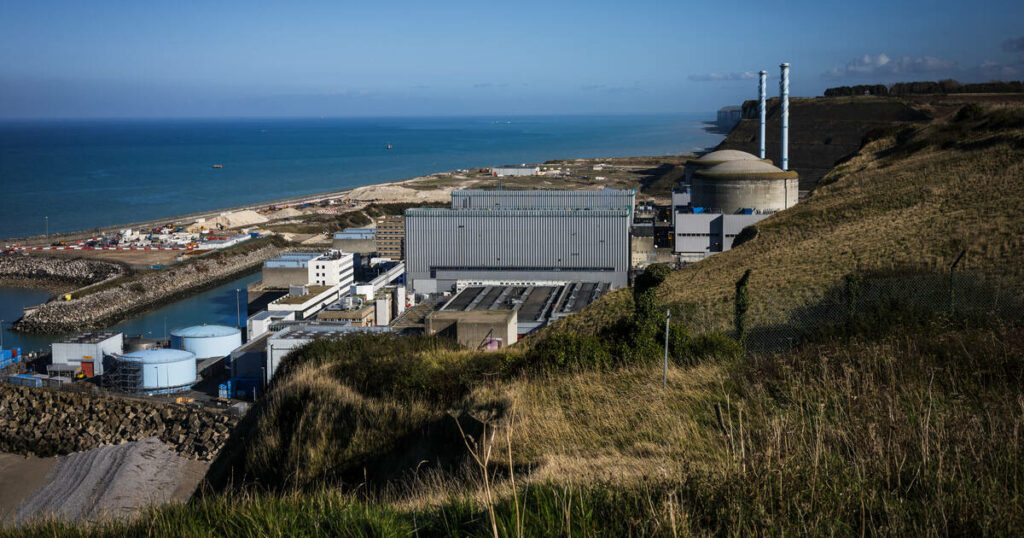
[[389, 146], [218, 166]]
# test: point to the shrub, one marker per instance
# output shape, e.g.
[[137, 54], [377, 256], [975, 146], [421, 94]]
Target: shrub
[[572, 351]]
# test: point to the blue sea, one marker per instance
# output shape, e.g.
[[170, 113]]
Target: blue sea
[[77, 175]]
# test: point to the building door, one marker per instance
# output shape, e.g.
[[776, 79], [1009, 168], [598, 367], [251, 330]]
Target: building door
[[87, 368]]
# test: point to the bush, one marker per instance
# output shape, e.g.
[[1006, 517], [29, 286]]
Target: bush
[[571, 351]]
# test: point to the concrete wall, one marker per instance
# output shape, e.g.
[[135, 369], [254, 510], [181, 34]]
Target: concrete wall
[[361, 246], [727, 195], [282, 277]]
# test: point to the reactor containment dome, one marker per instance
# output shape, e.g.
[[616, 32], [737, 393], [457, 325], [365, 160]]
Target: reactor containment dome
[[157, 371], [735, 186], [207, 341]]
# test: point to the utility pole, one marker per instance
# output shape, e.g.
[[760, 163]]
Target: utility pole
[[1, 334], [46, 232], [664, 379], [238, 309]]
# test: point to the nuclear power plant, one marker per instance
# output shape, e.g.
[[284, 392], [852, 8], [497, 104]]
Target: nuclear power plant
[[727, 190]]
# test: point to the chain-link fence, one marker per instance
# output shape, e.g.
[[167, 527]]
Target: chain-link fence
[[861, 304]]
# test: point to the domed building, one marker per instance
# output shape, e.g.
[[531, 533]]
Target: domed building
[[739, 186], [716, 158]]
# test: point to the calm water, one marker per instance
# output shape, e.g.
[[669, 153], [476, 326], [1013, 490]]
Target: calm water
[[83, 174], [215, 306]]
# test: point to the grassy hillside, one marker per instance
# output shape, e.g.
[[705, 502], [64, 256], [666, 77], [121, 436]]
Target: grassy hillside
[[896, 409]]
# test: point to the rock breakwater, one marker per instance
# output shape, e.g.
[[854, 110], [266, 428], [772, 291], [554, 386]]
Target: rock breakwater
[[79, 272], [44, 423], [139, 292]]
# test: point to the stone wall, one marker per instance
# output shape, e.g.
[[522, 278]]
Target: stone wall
[[108, 306], [49, 423], [73, 271]]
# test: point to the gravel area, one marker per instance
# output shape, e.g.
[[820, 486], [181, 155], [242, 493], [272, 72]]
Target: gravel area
[[113, 481]]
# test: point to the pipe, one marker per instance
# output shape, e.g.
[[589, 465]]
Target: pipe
[[762, 91], [784, 91]]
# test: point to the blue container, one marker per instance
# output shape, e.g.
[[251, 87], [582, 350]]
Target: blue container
[[254, 234], [224, 390], [25, 380], [698, 210]]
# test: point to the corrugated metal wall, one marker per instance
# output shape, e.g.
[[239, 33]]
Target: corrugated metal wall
[[516, 239], [497, 199]]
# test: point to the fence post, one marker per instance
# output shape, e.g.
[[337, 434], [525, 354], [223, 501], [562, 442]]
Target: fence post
[[952, 292], [742, 305], [664, 379], [851, 302]]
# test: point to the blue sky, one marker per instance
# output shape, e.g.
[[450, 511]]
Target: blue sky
[[308, 58]]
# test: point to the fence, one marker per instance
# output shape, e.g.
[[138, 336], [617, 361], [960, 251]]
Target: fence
[[862, 303]]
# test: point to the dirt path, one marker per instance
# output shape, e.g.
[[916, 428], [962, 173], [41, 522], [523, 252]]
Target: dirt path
[[112, 481]]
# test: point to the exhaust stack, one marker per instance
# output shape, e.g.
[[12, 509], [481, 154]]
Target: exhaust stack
[[762, 91], [784, 91]]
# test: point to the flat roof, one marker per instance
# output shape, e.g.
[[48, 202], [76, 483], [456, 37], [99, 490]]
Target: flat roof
[[308, 331], [473, 315], [89, 338], [299, 299]]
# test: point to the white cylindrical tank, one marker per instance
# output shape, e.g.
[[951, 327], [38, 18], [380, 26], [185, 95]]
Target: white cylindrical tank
[[159, 371], [207, 341]]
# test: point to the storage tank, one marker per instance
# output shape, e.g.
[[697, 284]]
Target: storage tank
[[207, 341], [157, 371], [733, 186], [138, 343]]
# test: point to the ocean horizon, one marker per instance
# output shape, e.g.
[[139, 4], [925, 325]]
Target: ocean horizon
[[79, 174]]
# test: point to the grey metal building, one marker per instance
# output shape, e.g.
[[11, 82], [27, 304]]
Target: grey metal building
[[444, 246], [516, 199]]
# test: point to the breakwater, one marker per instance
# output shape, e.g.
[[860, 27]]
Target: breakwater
[[44, 423], [60, 271], [144, 291]]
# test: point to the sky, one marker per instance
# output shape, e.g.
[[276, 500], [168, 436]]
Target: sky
[[226, 58]]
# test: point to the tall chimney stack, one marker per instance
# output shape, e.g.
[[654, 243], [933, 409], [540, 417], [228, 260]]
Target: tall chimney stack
[[762, 94], [784, 90]]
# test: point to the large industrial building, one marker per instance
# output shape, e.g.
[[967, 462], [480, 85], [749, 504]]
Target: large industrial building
[[520, 236], [331, 268], [725, 191]]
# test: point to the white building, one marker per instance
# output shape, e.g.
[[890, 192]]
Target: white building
[[87, 351], [331, 268], [521, 170], [305, 301]]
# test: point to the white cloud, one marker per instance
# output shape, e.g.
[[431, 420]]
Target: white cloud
[[716, 77], [881, 65]]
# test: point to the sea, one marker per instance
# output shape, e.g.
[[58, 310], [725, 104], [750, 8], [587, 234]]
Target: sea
[[71, 175]]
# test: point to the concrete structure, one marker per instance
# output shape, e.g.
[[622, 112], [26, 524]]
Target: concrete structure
[[475, 329], [88, 350], [518, 170], [726, 191], [728, 117], [535, 303], [734, 186], [356, 240], [391, 237], [353, 310], [305, 301], [521, 235], [714, 158], [332, 268], [157, 371], [207, 341]]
